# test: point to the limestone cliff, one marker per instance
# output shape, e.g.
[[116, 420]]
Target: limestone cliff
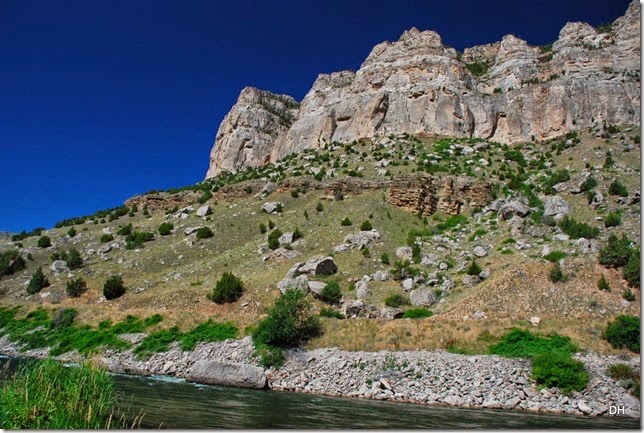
[[507, 91]]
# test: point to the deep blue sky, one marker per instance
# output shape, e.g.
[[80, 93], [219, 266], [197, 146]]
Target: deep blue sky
[[102, 100]]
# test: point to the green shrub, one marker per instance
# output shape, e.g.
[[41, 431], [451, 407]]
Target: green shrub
[[106, 237], [11, 262], [416, 253], [72, 232], [48, 395], [519, 343], [556, 274], [44, 242], [555, 256], [297, 234], [624, 331], [609, 161], [274, 239], [262, 228], [618, 188], [124, 230], [557, 369], [207, 195], [229, 288], [331, 313], [588, 184], [331, 293], [295, 193], [158, 341], [451, 222], [616, 252], [270, 356], [37, 282], [613, 219], [319, 207], [576, 229], [63, 318], [136, 239], [74, 260], [271, 225], [289, 322], [113, 287], [384, 258], [417, 313], [602, 284], [366, 226], [346, 222], [403, 270], [76, 287], [166, 228], [477, 68], [632, 268], [396, 300], [473, 268], [204, 233], [628, 295]]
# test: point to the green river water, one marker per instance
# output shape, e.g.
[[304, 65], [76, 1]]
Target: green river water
[[173, 403]]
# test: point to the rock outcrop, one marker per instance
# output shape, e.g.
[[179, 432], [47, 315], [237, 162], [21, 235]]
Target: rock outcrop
[[425, 194], [507, 91], [248, 132]]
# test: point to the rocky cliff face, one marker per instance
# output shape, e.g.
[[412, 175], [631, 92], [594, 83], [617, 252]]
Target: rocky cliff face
[[508, 91], [248, 132]]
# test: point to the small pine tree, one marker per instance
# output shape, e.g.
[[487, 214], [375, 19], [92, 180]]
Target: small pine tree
[[616, 252], [229, 288], [602, 284], [556, 274], [113, 287], [74, 260], [76, 287], [331, 293], [271, 225], [632, 268], [608, 162], [274, 239], [319, 207], [366, 226], [204, 233], [613, 219], [628, 295], [346, 222], [384, 258], [473, 269], [72, 232], [618, 188], [306, 215], [262, 228], [166, 228], [415, 253], [37, 282], [107, 237], [297, 234]]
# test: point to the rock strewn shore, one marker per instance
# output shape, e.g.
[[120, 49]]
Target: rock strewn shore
[[421, 377]]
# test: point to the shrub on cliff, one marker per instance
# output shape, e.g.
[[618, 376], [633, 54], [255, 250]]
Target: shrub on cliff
[[204, 233], [557, 369], [74, 260], [229, 288], [11, 262], [166, 228], [44, 242], [331, 293], [106, 237], [274, 239]]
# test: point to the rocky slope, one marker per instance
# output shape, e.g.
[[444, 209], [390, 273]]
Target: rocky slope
[[508, 92]]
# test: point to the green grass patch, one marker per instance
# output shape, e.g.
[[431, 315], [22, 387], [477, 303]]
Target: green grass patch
[[519, 343], [48, 395], [417, 313], [555, 256]]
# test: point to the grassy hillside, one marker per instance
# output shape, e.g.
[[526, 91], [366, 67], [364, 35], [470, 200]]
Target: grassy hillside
[[173, 274]]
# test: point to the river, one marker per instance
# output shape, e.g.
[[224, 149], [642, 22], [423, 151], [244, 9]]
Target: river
[[174, 403]]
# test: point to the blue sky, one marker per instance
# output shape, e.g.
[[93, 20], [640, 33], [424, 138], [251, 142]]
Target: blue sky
[[103, 100]]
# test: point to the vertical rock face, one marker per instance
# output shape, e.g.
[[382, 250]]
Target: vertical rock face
[[248, 132], [507, 91]]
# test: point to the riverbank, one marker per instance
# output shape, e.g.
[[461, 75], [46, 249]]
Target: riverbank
[[420, 377]]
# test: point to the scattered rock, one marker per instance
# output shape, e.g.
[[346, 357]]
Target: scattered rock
[[58, 266], [204, 210], [319, 266], [422, 297], [300, 282], [270, 207], [227, 374], [479, 251], [471, 280], [535, 320], [555, 205], [404, 253], [408, 284]]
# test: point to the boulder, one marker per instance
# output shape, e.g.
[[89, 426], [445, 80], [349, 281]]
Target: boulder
[[189, 230], [555, 205], [380, 276], [319, 266], [478, 314], [391, 313], [269, 188], [300, 283], [295, 270], [430, 260], [362, 289], [107, 230], [408, 284], [479, 251], [316, 287], [516, 225], [270, 207], [471, 280], [535, 320], [58, 266], [404, 253], [422, 297], [286, 238], [354, 308], [485, 274], [282, 254], [204, 210], [227, 374], [361, 239], [512, 208]]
